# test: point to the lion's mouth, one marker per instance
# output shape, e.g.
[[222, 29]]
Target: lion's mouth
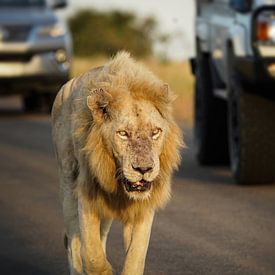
[[140, 186]]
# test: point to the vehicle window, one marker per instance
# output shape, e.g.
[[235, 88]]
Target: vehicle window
[[241, 5], [240, 2], [22, 3]]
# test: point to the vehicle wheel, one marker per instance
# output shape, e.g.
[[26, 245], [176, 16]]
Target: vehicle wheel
[[48, 100], [210, 118], [39, 103], [31, 103], [251, 131], [251, 135]]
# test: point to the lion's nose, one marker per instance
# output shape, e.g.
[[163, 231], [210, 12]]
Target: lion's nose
[[143, 169]]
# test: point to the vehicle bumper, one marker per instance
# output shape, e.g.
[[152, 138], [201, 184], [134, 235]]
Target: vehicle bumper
[[40, 71], [30, 84]]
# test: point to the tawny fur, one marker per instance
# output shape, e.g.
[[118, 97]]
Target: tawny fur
[[87, 165]]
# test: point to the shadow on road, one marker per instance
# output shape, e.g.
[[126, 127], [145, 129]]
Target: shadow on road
[[22, 130], [11, 266], [17, 113], [191, 170]]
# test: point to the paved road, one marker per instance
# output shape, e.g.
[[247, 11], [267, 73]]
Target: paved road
[[211, 225]]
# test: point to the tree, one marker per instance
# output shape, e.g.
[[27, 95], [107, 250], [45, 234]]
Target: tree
[[95, 32]]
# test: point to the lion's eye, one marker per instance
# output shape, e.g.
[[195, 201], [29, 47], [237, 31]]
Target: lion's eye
[[156, 133], [123, 134]]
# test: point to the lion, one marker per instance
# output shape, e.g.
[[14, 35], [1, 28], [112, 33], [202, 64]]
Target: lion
[[117, 144]]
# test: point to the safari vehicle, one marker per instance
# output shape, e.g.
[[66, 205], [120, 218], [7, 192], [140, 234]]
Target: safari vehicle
[[35, 51], [235, 87]]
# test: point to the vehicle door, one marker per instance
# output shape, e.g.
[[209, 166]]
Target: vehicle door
[[222, 19]]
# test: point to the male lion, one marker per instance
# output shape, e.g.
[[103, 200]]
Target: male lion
[[117, 145]]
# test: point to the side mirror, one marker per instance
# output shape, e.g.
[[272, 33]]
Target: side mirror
[[242, 6], [59, 4]]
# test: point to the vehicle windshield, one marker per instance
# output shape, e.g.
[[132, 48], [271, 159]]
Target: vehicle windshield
[[22, 3]]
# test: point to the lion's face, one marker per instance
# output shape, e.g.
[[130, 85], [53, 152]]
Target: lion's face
[[134, 132], [137, 138]]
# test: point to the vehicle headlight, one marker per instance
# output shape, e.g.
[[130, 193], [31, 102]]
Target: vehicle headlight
[[53, 30], [264, 37], [265, 28]]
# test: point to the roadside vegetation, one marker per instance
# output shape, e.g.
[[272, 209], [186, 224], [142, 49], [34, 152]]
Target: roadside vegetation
[[95, 32]]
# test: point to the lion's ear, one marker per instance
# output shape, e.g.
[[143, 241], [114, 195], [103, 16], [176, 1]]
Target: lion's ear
[[98, 102], [167, 95], [165, 89]]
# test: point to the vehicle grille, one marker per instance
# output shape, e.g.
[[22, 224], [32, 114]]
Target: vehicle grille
[[15, 57], [14, 33]]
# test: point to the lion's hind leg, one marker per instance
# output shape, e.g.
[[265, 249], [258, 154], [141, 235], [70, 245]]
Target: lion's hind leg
[[74, 257], [105, 226], [72, 235]]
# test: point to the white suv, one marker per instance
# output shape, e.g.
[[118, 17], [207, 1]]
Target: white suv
[[35, 51], [235, 87]]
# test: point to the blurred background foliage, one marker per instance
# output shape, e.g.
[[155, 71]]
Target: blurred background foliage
[[104, 33]]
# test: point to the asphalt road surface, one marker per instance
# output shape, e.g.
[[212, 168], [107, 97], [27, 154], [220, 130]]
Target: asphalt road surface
[[211, 225]]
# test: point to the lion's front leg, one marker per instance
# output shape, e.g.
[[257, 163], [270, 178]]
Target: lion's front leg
[[136, 241], [92, 253]]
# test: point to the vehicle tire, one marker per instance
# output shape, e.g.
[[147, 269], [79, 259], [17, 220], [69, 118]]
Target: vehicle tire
[[210, 118], [48, 100], [39, 103], [251, 121], [31, 103]]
